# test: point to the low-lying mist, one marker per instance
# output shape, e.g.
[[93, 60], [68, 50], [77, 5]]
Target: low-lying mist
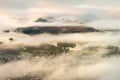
[[95, 56], [98, 38], [64, 67]]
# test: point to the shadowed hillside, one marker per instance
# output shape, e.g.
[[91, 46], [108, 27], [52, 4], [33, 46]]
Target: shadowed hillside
[[54, 30], [8, 54]]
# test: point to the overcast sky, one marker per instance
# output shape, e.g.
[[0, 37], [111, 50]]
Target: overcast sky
[[83, 9]]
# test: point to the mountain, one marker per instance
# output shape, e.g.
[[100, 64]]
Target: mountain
[[32, 30], [59, 19], [46, 19]]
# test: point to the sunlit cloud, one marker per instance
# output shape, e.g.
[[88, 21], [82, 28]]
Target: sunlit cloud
[[87, 9]]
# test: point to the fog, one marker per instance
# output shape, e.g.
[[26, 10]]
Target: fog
[[96, 55], [105, 24], [81, 63], [64, 67], [98, 38]]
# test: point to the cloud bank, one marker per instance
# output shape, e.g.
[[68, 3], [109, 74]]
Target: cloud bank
[[84, 9]]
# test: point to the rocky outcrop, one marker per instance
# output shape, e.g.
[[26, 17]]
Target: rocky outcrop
[[54, 29], [46, 19], [62, 19], [41, 20]]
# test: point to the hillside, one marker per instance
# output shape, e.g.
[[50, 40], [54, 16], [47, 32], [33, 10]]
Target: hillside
[[54, 29]]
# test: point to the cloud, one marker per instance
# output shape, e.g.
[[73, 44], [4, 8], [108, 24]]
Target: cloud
[[105, 24], [84, 9], [102, 12]]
